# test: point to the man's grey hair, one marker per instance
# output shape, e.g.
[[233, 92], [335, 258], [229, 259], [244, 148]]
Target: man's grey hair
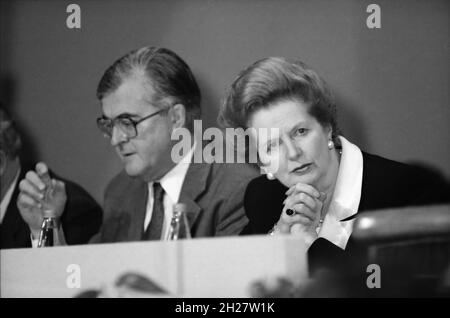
[[168, 77]]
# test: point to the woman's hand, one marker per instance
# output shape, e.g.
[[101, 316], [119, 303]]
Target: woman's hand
[[301, 212]]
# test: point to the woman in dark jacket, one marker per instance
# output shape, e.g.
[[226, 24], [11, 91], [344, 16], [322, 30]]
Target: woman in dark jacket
[[316, 181]]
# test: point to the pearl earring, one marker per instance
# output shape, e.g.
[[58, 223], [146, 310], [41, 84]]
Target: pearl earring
[[330, 144], [270, 176]]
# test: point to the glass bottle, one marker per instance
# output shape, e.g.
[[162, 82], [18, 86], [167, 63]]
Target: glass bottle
[[179, 225], [49, 227]]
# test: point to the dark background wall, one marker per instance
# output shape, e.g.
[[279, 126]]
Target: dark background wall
[[392, 84]]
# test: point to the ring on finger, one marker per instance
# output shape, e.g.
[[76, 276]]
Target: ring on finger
[[290, 212]]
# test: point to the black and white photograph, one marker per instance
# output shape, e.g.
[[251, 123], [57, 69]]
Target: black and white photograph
[[221, 155]]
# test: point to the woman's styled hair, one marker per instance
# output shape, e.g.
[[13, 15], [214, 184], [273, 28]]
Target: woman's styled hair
[[275, 79]]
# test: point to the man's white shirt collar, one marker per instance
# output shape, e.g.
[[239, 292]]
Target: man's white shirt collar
[[172, 183]]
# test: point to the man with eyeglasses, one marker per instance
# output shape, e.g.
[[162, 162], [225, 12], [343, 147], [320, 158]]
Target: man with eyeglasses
[[146, 95]]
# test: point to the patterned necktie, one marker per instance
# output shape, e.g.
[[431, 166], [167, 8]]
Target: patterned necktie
[[154, 229]]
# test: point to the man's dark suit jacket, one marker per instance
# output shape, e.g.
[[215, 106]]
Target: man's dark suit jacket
[[385, 184], [213, 193], [81, 218]]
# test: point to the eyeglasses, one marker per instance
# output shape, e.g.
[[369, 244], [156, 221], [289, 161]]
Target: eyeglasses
[[126, 124]]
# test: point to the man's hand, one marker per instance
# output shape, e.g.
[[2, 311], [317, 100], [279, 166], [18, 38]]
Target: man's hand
[[40, 195]]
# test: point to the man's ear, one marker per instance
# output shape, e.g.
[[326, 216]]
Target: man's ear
[[3, 162], [178, 115]]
